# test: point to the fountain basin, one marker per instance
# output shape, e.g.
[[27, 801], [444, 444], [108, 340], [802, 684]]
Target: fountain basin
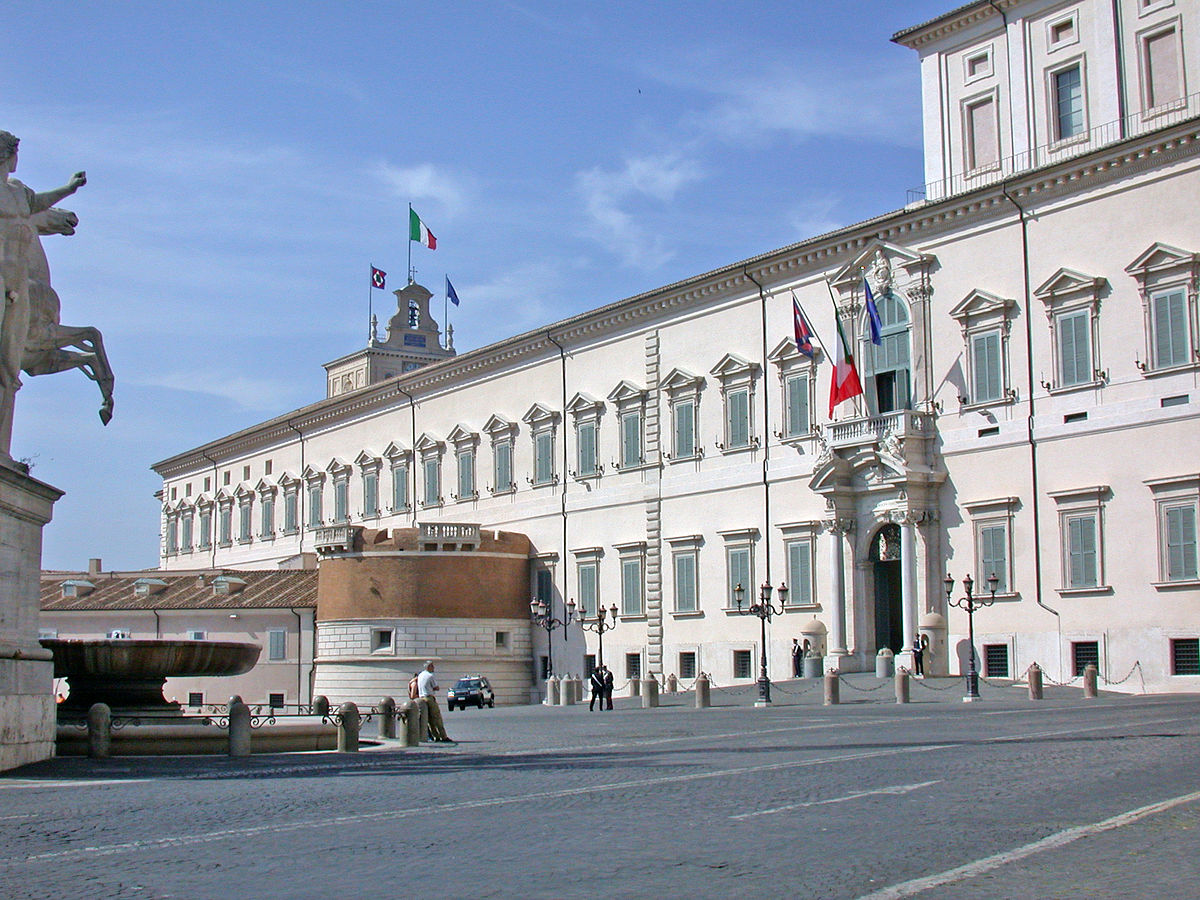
[[130, 674]]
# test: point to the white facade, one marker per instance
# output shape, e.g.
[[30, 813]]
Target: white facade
[[1031, 412]]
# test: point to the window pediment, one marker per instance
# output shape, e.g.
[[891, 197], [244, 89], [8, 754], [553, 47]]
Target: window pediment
[[265, 488], [337, 467], [539, 414], [394, 452], [733, 367], [1067, 284], [979, 304], [427, 444], [287, 481], [785, 355], [499, 427], [849, 277], [626, 393], [1161, 259], [367, 460], [244, 491], [680, 381], [311, 474], [585, 405], [462, 437]]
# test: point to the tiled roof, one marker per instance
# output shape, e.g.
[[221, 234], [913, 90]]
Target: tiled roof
[[267, 589]]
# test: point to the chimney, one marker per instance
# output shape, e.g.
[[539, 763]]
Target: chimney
[[95, 566]]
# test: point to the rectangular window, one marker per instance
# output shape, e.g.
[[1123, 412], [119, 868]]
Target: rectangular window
[[743, 666], [1170, 326], [205, 529], [1084, 654], [244, 522], [796, 397], [586, 440], [587, 576], [341, 500], [633, 665], [589, 665], [266, 508], [172, 535], [433, 487], [1082, 557], [1180, 526], [631, 440], [503, 640], [544, 585], [737, 425], [544, 666], [687, 664], [314, 505], [995, 660], [737, 571], [799, 558], [290, 518], [631, 586], [399, 488], [685, 581], [983, 146], [370, 481], [195, 698], [1185, 656], [276, 644], [985, 367], [502, 463], [226, 525], [993, 556], [466, 474], [276, 701], [185, 540], [197, 636], [1068, 103], [685, 428], [1074, 348], [381, 639], [543, 461], [1162, 76]]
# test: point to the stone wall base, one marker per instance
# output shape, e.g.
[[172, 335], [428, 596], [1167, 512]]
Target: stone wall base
[[27, 712]]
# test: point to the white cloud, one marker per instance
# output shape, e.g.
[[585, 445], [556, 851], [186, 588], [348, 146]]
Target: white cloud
[[425, 182], [244, 392], [608, 195]]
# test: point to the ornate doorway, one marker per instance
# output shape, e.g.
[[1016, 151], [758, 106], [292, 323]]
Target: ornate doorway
[[885, 566]]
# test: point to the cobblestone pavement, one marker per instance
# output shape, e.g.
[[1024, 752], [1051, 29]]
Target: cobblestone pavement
[[937, 799]]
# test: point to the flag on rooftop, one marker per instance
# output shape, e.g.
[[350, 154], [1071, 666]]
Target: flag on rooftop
[[378, 278], [873, 314], [419, 232], [804, 334], [845, 383], [451, 294]]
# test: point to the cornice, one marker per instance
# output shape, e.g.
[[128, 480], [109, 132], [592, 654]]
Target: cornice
[[950, 23]]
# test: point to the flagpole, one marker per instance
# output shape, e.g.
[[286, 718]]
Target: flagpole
[[446, 302], [370, 305], [808, 321], [845, 349], [410, 277]]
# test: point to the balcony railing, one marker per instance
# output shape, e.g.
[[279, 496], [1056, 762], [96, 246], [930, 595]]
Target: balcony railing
[[450, 531], [902, 424], [1058, 151]]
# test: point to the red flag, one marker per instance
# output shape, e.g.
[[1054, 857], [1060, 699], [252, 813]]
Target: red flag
[[378, 278], [804, 334], [845, 383]]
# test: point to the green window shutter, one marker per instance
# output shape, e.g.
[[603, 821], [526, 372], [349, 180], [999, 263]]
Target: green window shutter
[[587, 448], [1181, 543], [738, 403], [797, 405], [631, 587], [800, 572], [685, 582], [685, 429]]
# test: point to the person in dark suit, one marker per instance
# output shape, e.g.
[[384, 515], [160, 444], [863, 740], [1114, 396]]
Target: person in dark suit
[[918, 654], [596, 680], [608, 686], [797, 658]]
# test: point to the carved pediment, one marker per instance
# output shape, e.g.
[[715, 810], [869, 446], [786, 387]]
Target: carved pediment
[[337, 466], [365, 459], [539, 413], [732, 365], [462, 435], [287, 480], [682, 380], [584, 403], [426, 443], [312, 474], [265, 487], [626, 392], [980, 303], [896, 258], [1161, 258], [498, 426], [394, 451], [1067, 283], [785, 352]]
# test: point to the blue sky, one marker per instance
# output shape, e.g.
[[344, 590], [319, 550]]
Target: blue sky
[[248, 162]]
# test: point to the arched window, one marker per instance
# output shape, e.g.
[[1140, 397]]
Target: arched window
[[888, 365]]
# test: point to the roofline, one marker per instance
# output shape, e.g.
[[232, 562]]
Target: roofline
[[949, 22]]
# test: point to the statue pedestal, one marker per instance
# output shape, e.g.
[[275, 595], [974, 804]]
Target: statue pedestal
[[27, 708]]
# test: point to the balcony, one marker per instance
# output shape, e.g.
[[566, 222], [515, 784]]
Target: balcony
[[899, 425], [335, 539]]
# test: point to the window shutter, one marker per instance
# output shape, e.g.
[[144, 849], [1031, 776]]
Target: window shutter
[[800, 572], [631, 587], [1181, 543], [739, 418], [587, 448], [685, 582], [685, 428], [797, 420]]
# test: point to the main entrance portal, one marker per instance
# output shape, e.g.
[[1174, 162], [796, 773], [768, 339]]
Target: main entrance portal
[[885, 564]]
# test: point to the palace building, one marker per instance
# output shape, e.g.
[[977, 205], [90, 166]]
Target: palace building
[[1031, 411]]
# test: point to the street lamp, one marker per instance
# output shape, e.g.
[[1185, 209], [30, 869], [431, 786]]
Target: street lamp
[[971, 603], [764, 610], [597, 624], [543, 616]]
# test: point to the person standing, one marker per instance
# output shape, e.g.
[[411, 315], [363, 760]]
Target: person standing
[[427, 687], [596, 680], [608, 687], [797, 658], [918, 654]]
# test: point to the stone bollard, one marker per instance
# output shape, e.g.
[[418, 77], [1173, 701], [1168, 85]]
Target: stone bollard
[[320, 705], [99, 733], [239, 727], [902, 685], [635, 687], [1035, 682], [832, 688], [813, 666], [1090, 676], [552, 691], [349, 721], [400, 722], [387, 718], [885, 660], [577, 684], [566, 693], [423, 718], [413, 735], [672, 684], [703, 697], [649, 692]]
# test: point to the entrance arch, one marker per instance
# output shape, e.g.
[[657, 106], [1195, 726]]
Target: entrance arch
[[884, 556]]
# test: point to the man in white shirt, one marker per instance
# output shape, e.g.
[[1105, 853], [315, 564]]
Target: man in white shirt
[[427, 687]]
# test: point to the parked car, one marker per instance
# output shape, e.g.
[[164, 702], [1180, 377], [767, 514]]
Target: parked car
[[472, 690]]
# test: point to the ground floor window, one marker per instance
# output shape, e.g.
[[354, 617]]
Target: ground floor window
[[742, 664], [633, 665], [545, 667], [1084, 654], [687, 664], [589, 665], [995, 660], [275, 701], [195, 698], [1185, 656]]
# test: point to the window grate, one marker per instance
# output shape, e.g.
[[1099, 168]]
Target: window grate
[[1185, 656], [742, 665], [633, 665], [687, 665], [1083, 654], [995, 660]]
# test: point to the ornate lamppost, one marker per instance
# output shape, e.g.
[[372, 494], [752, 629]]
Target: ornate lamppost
[[598, 624], [542, 615], [764, 609], [971, 603]]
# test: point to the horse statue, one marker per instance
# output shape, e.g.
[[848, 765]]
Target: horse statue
[[51, 346]]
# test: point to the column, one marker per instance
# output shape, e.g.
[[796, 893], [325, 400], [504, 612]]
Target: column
[[837, 567], [908, 585]]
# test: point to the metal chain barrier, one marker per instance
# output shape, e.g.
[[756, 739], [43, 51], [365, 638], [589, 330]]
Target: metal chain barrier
[[799, 693], [1137, 667], [887, 682], [955, 683]]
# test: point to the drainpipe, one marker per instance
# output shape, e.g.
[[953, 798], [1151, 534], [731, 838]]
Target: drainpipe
[[157, 625], [562, 356], [300, 652], [1008, 70], [214, 522], [301, 492], [1030, 436], [766, 431], [412, 473], [1119, 50]]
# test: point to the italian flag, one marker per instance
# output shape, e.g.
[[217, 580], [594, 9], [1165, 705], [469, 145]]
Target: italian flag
[[418, 232], [845, 383]]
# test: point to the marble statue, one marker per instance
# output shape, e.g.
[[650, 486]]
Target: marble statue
[[31, 336]]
